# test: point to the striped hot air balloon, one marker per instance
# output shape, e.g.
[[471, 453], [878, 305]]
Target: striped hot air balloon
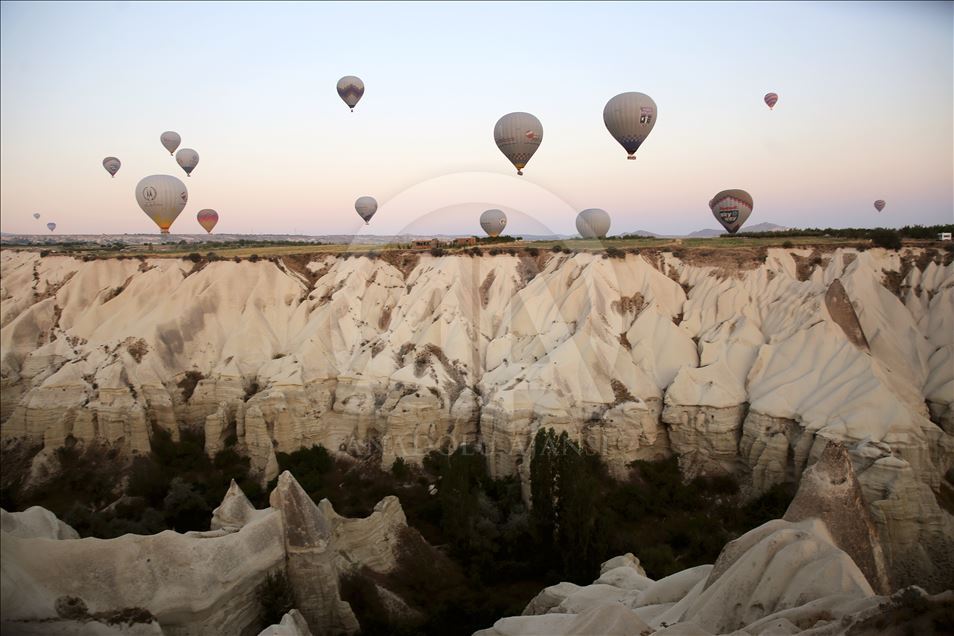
[[207, 219], [771, 99], [350, 90], [879, 205]]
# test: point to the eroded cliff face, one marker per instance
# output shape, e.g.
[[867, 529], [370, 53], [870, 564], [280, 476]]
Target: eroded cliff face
[[747, 367]]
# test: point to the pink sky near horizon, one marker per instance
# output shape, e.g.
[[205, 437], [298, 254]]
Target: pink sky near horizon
[[865, 113]]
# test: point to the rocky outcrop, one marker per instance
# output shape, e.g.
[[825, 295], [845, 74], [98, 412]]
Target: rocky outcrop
[[830, 491], [198, 582], [746, 369], [780, 578], [292, 624]]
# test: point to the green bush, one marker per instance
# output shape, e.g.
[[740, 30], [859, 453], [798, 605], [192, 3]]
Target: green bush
[[275, 598], [887, 239]]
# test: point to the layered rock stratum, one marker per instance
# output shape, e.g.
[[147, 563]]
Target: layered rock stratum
[[741, 362]]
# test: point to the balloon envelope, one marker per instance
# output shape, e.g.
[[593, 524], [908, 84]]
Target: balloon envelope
[[518, 135], [170, 140], [731, 208], [593, 223], [112, 165], [879, 205], [36, 215], [207, 219], [350, 90], [366, 207], [493, 222], [162, 197], [630, 117], [188, 159], [51, 226], [770, 100]]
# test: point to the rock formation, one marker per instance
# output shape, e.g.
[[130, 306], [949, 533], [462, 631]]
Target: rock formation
[[198, 582], [741, 362]]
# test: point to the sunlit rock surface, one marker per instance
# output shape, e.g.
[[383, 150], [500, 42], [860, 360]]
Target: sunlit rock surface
[[742, 362]]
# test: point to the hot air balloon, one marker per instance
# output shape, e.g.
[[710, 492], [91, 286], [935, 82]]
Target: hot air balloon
[[493, 222], [731, 208], [518, 135], [630, 117], [770, 100], [170, 141], [593, 223], [879, 205], [162, 197], [350, 89], [51, 226], [366, 207], [36, 215], [188, 159], [112, 165], [207, 219]]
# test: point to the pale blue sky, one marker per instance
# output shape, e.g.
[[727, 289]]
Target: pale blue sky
[[865, 112]]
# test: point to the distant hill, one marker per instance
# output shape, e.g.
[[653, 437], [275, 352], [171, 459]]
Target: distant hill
[[645, 233], [758, 227]]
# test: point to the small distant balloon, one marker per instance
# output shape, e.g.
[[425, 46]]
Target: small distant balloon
[[879, 205], [518, 135], [162, 197], [36, 215], [112, 165], [170, 141], [770, 100], [630, 117], [51, 226], [188, 159], [493, 222], [366, 207], [207, 219], [350, 90], [593, 223], [731, 208]]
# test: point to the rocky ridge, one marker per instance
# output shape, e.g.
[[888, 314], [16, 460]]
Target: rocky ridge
[[747, 366]]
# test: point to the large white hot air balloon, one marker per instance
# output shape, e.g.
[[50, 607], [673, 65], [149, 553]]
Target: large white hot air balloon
[[518, 135], [162, 197], [732, 208], [188, 159], [593, 223], [366, 207], [350, 90], [112, 165], [493, 222], [630, 118], [170, 141], [51, 226]]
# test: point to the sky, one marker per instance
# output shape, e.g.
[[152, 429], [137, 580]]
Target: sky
[[866, 96]]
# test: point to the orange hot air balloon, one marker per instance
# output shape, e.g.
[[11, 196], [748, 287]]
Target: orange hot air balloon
[[771, 99], [207, 219]]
